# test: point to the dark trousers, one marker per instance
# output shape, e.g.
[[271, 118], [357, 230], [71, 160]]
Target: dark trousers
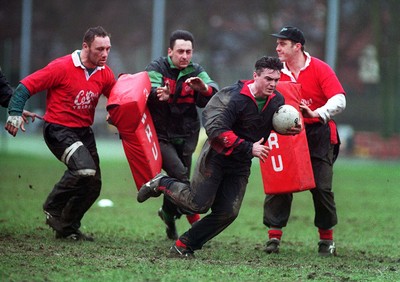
[[218, 183], [323, 154], [177, 162], [80, 185]]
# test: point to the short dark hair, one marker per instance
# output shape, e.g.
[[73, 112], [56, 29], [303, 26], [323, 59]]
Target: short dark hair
[[180, 34], [267, 62], [92, 32]]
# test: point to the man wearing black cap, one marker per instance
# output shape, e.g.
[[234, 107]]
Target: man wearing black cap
[[322, 98]]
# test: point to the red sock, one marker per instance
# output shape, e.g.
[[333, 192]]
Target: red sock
[[275, 233], [192, 218], [180, 244], [325, 234]]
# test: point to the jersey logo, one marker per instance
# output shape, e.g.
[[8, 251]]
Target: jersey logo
[[85, 100], [307, 102]]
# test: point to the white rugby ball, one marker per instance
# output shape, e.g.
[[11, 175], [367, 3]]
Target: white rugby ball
[[285, 118]]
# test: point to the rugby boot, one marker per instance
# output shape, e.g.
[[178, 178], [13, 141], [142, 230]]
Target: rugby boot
[[150, 189], [272, 246], [170, 226], [326, 248], [181, 252]]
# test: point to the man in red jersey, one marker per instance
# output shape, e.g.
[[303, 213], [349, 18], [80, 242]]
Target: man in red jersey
[[322, 98], [74, 84]]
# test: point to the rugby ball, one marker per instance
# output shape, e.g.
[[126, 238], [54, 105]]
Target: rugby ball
[[285, 118]]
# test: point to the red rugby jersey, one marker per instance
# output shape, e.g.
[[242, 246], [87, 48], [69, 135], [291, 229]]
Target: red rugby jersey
[[318, 82], [72, 94]]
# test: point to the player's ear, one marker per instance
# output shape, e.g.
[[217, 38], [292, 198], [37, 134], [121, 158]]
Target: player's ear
[[169, 51], [85, 45]]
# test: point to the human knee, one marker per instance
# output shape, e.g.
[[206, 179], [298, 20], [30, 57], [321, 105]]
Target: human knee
[[197, 207], [230, 216], [79, 160], [200, 209]]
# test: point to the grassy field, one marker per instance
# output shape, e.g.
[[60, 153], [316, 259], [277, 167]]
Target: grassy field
[[130, 239]]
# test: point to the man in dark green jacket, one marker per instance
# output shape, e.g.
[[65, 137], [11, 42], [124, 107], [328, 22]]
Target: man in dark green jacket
[[179, 87]]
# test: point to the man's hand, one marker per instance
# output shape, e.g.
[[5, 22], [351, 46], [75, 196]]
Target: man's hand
[[260, 151], [109, 120], [26, 115], [16, 122], [197, 84], [164, 92], [294, 130], [13, 124], [307, 112]]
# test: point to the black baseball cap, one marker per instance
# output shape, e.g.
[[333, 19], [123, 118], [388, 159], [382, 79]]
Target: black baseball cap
[[291, 33]]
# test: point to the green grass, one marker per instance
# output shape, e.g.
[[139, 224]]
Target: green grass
[[131, 244]]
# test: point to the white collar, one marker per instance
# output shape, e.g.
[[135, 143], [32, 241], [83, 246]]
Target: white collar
[[254, 95], [77, 60], [286, 71]]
